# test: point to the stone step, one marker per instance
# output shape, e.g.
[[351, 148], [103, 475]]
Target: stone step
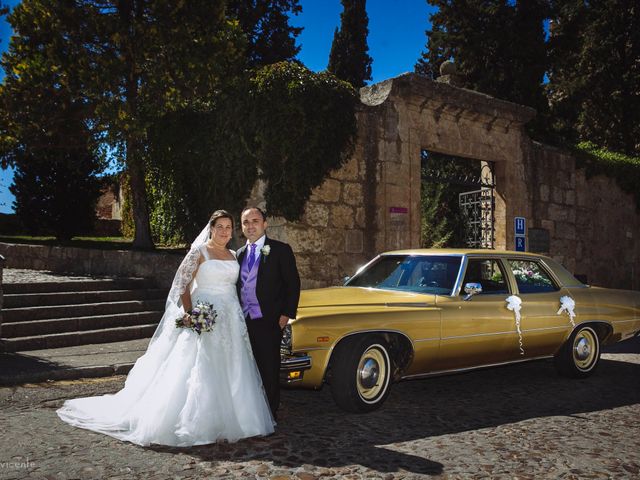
[[18, 300], [69, 339], [11, 315], [78, 285], [75, 324]]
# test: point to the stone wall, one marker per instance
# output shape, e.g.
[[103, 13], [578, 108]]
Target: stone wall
[[85, 261], [593, 226], [2, 263], [372, 204]]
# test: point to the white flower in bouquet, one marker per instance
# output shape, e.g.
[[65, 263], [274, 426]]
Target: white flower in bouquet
[[201, 318]]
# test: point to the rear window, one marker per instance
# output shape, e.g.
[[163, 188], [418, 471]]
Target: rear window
[[531, 277]]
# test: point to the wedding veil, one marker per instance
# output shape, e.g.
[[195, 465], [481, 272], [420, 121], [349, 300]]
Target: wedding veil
[[181, 281]]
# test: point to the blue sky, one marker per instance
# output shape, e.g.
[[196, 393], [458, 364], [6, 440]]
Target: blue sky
[[396, 39]]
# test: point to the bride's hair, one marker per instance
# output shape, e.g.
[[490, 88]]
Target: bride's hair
[[215, 216]]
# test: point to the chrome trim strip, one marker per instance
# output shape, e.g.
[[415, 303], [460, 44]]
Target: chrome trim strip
[[457, 286], [468, 369], [435, 339], [377, 330], [489, 334], [410, 304], [510, 332], [288, 364]]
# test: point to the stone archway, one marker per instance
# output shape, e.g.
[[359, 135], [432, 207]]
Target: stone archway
[[412, 114]]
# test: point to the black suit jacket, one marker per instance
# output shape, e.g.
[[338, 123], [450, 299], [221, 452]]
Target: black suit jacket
[[278, 284]]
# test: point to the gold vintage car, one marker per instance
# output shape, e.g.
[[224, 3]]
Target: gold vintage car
[[415, 313]]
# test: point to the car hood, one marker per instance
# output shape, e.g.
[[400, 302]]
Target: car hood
[[360, 296]]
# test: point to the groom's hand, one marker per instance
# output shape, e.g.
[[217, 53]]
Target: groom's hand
[[283, 321]]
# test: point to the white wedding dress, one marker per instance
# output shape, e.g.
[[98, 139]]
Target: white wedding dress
[[187, 389]]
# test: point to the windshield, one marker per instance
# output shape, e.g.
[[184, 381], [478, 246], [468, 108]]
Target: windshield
[[435, 274]]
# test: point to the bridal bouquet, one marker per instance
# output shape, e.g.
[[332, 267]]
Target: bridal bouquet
[[203, 318]]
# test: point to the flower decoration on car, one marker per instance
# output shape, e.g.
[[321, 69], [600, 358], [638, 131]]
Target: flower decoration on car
[[526, 275], [568, 304], [514, 303]]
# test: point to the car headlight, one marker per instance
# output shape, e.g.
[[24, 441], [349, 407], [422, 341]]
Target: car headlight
[[285, 344]]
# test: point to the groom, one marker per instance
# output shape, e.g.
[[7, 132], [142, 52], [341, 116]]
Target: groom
[[269, 289]]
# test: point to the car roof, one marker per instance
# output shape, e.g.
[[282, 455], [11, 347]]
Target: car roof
[[462, 251]]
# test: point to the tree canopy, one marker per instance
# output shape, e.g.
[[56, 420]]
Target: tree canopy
[[44, 130], [266, 25], [498, 46], [349, 59], [594, 74]]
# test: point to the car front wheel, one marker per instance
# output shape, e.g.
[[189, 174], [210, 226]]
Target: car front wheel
[[361, 373], [579, 356]]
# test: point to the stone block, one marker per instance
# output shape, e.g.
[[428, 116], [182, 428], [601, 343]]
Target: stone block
[[348, 172], [342, 216], [305, 240], [316, 214], [334, 240], [565, 231], [558, 195], [352, 194], [570, 197], [328, 192], [558, 213], [360, 218], [353, 241], [544, 192]]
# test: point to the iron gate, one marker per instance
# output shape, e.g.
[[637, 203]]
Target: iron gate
[[476, 205]]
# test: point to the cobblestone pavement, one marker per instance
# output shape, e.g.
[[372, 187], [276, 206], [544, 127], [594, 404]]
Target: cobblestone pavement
[[521, 421]]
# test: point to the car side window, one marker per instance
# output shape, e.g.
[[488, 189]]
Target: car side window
[[488, 273], [531, 277]]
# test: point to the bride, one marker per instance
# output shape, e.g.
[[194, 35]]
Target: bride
[[189, 388]]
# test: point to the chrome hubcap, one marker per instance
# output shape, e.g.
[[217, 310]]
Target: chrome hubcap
[[583, 349], [372, 376], [369, 373]]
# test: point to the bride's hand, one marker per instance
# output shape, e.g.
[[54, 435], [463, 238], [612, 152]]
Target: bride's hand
[[186, 319]]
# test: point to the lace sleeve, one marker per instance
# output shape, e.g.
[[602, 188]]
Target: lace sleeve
[[184, 275]]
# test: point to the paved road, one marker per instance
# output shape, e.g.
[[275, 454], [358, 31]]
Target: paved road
[[519, 421]]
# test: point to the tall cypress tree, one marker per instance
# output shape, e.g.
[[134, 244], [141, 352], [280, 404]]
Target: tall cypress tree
[[266, 24], [594, 80], [349, 58], [498, 46]]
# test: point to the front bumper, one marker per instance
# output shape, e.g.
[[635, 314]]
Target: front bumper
[[292, 368]]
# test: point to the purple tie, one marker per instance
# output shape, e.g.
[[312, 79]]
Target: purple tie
[[252, 256]]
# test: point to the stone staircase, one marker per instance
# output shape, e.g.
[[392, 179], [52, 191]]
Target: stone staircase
[[46, 315]]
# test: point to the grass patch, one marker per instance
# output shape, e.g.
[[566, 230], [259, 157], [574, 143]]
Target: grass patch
[[99, 243]]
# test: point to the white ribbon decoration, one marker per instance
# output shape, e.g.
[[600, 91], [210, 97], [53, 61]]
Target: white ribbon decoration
[[567, 304], [514, 303]]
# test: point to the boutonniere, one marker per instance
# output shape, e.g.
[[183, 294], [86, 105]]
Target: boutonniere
[[265, 251]]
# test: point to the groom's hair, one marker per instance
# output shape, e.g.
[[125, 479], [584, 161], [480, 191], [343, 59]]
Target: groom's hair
[[258, 209]]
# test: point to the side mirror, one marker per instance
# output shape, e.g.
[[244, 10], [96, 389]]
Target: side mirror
[[345, 279], [472, 289]]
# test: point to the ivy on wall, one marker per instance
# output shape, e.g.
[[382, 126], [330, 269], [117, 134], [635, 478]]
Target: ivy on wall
[[284, 124], [305, 127], [624, 169]]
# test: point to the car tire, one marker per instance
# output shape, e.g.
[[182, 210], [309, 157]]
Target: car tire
[[580, 354], [361, 372]]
